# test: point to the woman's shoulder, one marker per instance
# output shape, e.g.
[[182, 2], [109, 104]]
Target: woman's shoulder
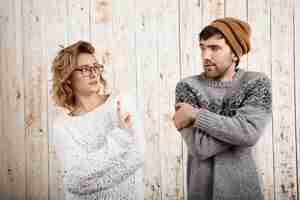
[[60, 120]]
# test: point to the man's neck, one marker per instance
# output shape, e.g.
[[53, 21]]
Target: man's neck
[[229, 74]]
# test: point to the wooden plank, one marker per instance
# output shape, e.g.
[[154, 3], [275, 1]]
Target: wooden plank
[[238, 9], [102, 35], [78, 12], [297, 85], [3, 144], [35, 83], [212, 10], [283, 104], [123, 58], [56, 19], [12, 95], [169, 73], [190, 27], [3, 157], [259, 59], [147, 84]]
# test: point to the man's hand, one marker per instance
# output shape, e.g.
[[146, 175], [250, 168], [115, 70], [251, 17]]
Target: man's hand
[[185, 115]]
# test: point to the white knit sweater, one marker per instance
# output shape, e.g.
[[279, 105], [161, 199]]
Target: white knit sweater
[[98, 159]]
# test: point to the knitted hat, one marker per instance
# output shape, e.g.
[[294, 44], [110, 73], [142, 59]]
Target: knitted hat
[[237, 33]]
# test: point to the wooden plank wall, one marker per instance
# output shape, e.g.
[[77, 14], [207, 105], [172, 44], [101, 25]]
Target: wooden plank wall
[[147, 46]]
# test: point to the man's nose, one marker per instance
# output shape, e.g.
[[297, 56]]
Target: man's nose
[[206, 54]]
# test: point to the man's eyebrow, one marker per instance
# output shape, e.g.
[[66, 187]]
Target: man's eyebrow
[[210, 45]]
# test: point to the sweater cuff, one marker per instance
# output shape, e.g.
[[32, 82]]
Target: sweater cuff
[[205, 119]]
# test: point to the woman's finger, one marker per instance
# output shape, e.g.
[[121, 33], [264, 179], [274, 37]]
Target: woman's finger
[[118, 105], [127, 117]]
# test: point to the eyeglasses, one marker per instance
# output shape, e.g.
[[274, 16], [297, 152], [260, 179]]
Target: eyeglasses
[[87, 70]]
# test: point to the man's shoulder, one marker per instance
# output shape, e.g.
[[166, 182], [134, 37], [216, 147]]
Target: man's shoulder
[[255, 76], [256, 81], [190, 80]]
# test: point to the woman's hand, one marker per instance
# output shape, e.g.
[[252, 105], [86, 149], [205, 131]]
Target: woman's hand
[[125, 118]]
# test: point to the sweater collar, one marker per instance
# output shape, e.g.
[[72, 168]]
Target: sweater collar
[[222, 84]]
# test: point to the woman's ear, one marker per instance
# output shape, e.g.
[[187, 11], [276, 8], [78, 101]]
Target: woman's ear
[[68, 82]]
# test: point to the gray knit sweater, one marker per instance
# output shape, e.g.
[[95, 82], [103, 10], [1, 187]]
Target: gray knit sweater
[[232, 116]]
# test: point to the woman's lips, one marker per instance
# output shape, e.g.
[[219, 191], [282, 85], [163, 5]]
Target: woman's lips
[[93, 83]]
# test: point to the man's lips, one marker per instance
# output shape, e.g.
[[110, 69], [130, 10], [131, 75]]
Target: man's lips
[[209, 67]]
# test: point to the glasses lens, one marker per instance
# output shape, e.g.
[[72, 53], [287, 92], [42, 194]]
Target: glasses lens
[[86, 70]]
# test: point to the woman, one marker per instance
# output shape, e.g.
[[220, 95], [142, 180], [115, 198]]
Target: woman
[[98, 141]]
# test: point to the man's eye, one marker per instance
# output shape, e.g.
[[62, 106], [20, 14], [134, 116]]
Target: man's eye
[[214, 48]]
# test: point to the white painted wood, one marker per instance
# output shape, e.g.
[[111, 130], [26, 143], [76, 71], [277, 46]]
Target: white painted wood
[[35, 87], [147, 16], [79, 24], [283, 104], [146, 46], [190, 27], [123, 48], [3, 155], [169, 73], [12, 95], [55, 18], [297, 85], [212, 10], [259, 59]]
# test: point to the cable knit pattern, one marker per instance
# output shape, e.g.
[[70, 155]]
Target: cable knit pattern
[[100, 160], [231, 117]]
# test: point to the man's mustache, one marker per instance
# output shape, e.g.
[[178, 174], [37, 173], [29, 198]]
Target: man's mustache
[[208, 63]]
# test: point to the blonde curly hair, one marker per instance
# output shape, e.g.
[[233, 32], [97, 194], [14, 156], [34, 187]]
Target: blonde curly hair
[[62, 67]]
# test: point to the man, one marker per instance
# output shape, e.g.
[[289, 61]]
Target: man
[[221, 114]]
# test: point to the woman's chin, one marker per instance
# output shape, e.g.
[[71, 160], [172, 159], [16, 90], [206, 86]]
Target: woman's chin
[[90, 91]]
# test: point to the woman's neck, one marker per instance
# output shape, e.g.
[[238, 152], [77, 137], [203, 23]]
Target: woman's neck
[[88, 103]]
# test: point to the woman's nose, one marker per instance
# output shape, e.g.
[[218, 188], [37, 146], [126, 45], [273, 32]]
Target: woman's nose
[[93, 74]]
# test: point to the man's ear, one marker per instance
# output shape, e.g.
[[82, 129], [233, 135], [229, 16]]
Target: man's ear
[[234, 57]]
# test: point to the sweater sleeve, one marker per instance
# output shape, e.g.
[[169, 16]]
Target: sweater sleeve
[[89, 172], [198, 142], [246, 126]]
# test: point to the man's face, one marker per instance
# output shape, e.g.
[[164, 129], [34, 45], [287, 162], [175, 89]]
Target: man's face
[[217, 58]]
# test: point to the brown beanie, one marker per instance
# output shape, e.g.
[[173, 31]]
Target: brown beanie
[[237, 33]]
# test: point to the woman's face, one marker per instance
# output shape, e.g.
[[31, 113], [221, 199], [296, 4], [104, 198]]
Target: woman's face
[[85, 78]]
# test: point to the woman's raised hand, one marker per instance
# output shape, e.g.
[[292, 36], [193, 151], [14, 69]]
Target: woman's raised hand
[[125, 118]]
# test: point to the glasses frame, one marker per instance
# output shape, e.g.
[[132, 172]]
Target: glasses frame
[[87, 70]]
